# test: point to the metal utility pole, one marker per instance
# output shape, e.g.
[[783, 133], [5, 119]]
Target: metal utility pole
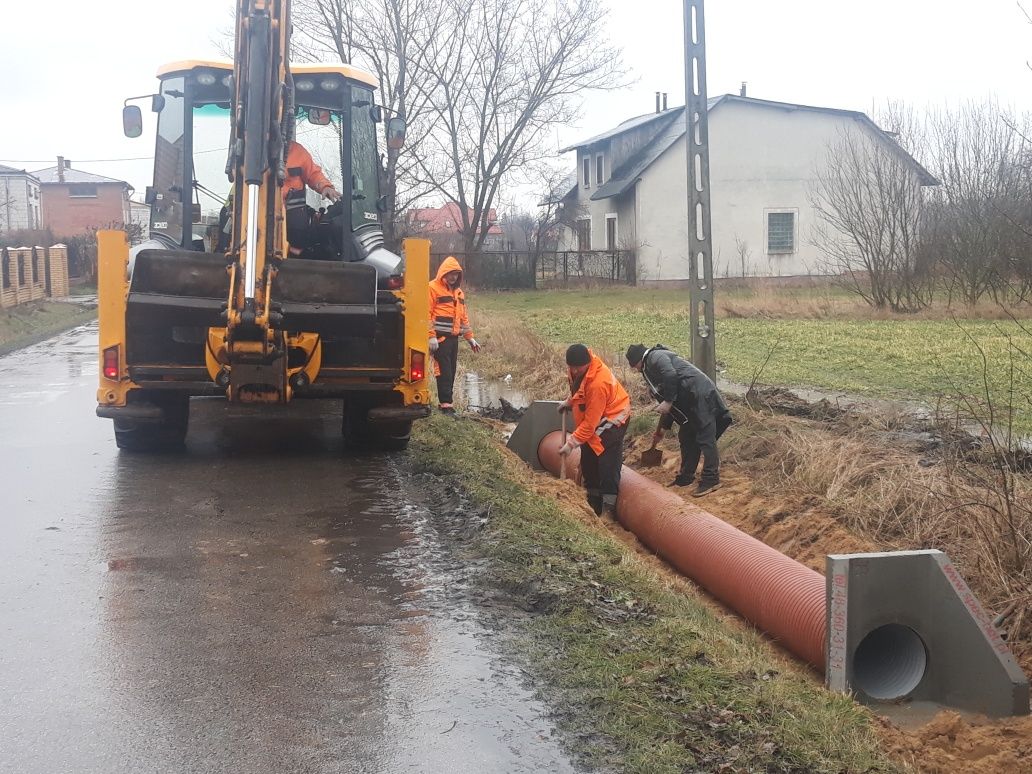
[[700, 242]]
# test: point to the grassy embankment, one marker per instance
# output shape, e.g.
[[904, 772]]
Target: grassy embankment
[[891, 493], [27, 324], [820, 338], [645, 677]]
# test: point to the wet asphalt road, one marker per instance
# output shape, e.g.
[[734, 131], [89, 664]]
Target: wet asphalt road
[[261, 603]]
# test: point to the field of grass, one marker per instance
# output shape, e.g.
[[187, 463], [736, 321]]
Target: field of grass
[[923, 358], [641, 676]]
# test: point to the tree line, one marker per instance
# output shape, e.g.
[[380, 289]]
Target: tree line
[[900, 240]]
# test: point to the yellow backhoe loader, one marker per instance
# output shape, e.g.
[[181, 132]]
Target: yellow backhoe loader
[[249, 287]]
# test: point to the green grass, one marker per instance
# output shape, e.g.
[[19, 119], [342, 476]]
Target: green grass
[[27, 324], [642, 677], [891, 358]]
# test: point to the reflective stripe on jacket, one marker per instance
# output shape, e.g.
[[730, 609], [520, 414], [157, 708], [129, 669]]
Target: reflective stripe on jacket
[[448, 305], [599, 403]]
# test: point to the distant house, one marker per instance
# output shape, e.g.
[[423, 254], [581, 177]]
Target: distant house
[[139, 215], [76, 201], [631, 188], [19, 200], [443, 227]]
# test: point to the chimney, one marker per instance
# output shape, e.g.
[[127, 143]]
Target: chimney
[[664, 100], [741, 93], [60, 169], [657, 101]]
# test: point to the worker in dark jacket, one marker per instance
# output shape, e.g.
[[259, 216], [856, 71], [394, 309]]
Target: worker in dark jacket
[[687, 396]]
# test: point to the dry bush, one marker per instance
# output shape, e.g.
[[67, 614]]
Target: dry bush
[[510, 348], [902, 500]]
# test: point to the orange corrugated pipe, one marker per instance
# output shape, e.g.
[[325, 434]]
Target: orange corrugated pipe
[[777, 594]]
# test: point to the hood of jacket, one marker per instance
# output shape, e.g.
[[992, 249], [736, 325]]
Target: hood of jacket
[[449, 264]]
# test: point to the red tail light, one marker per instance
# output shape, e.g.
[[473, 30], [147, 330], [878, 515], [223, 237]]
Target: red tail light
[[111, 363], [417, 366], [395, 282]]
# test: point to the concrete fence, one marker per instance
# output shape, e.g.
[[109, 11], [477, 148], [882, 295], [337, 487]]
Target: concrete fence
[[32, 274]]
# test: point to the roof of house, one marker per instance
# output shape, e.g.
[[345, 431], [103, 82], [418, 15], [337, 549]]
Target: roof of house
[[437, 219], [49, 175], [6, 170], [673, 130]]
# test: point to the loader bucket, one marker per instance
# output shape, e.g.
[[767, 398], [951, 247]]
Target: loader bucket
[[178, 288], [326, 297]]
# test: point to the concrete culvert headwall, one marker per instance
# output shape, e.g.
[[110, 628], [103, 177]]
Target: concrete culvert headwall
[[777, 594]]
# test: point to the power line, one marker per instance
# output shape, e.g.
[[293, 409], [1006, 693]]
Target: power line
[[98, 161]]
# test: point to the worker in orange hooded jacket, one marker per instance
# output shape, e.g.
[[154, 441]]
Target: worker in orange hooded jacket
[[448, 321], [601, 409]]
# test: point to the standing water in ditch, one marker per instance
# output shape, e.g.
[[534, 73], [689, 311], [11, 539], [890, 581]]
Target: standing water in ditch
[[261, 602], [493, 397]]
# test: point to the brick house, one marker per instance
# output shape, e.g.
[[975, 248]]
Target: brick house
[[19, 200], [76, 201], [443, 227]]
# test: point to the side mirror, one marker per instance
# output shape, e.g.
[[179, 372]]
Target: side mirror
[[396, 133], [376, 113], [157, 103], [318, 116], [132, 121]]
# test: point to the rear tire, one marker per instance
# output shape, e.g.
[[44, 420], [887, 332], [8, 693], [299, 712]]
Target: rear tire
[[164, 435], [362, 435]]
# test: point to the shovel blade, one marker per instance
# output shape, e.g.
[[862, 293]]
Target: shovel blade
[[651, 458]]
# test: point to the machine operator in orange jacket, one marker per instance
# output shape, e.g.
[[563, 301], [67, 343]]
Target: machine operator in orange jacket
[[601, 409], [448, 321], [302, 171]]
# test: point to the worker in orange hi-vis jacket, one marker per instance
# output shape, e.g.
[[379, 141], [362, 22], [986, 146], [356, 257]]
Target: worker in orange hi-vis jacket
[[601, 409], [448, 322], [302, 171]]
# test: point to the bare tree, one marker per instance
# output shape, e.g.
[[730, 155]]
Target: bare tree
[[500, 74], [868, 199], [976, 214], [388, 38]]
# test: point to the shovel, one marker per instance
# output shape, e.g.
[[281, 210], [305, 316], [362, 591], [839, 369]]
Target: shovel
[[651, 457], [562, 460]]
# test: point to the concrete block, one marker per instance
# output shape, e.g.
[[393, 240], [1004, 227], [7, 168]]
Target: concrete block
[[904, 626], [540, 419]]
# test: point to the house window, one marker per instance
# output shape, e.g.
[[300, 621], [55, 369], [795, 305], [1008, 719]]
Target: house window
[[610, 232], [584, 235], [781, 232], [82, 190], [587, 172], [598, 169]]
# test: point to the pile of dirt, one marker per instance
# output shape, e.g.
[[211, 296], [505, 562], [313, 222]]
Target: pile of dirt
[[949, 744], [782, 401]]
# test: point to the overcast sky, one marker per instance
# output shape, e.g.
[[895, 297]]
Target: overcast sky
[[66, 66]]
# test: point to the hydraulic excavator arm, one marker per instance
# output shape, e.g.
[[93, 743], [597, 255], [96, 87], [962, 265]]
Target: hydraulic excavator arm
[[262, 89]]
